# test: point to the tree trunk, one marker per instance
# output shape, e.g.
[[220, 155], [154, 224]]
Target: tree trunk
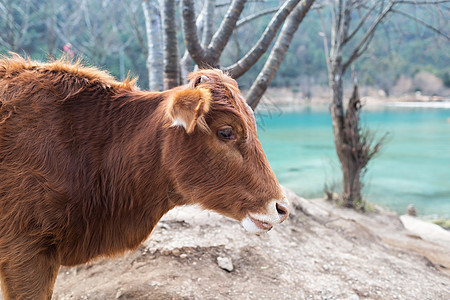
[[340, 140], [358, 151], [352, 149], [155, 56], [208, 23], [351, 184], [171, 58], [344, 149]]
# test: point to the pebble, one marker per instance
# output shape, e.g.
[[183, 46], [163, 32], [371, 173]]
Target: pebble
[[119, 294], [165, 226], [353, 297], [225, 263]]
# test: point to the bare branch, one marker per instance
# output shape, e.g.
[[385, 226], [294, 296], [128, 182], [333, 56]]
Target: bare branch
[[237, 45], [422, 2], [186, 61], [223, 4], [26, 13], [334, 28], [254, 16], [218, 5], [341, 12], [365, 47], [361, 23], [325, 41], [345, 22], [368, 36], [136, 28], [253, 55], [191, 39], [16, 21], [208, 23], [222, 35], [422, 23], [278, 52]]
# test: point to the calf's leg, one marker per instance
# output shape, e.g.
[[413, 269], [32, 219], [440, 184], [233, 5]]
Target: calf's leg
[[29, 277]]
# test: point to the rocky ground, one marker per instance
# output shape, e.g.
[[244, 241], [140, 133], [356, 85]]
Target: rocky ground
[[320, 252]]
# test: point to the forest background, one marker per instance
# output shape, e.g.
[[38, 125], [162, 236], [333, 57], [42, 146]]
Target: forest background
[[404, 56]]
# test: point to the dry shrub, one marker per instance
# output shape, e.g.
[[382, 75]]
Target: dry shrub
[[404, 85], [359, 146], [427, 83]]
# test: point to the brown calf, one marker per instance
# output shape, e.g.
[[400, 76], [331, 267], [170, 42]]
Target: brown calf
[[88, 165]]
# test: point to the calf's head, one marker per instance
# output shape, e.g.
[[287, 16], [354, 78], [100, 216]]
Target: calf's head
[[214, 156]]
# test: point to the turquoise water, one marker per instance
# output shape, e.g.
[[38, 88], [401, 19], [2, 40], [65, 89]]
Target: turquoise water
[[413, 167]]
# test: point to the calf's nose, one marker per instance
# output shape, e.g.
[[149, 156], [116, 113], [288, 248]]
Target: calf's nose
[[282, 209]]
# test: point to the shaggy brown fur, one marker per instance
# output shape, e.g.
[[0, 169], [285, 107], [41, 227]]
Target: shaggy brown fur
[[88, 165]]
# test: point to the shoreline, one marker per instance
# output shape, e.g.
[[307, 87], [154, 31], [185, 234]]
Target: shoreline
[[271, 109], [284, 100]]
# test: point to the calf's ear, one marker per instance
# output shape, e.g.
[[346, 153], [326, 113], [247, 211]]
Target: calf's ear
[[188, 108]]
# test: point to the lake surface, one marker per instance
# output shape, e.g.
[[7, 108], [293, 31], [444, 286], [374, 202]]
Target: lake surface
[[413, 167]]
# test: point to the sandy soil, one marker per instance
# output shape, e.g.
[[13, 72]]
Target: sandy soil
[[320, 252]]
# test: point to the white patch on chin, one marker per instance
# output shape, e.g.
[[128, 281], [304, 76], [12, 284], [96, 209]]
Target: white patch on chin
[[178, 122], [250, 226]]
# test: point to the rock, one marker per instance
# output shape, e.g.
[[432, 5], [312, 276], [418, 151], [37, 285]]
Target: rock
[[411, 210], [120, 294], [426, 230], [165, 226], [225, 263], [353, 297]]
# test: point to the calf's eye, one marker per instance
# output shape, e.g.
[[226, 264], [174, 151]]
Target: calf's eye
[[226, 133]]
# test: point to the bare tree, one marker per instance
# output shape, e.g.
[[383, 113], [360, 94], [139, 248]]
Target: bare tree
[[93, 28], [205, 45], [354, 23], [290, 13], [209, 56], [15, 20], [360, 145], [155, 53]]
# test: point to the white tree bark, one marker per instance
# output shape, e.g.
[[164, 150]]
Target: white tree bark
[[155, 58]]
